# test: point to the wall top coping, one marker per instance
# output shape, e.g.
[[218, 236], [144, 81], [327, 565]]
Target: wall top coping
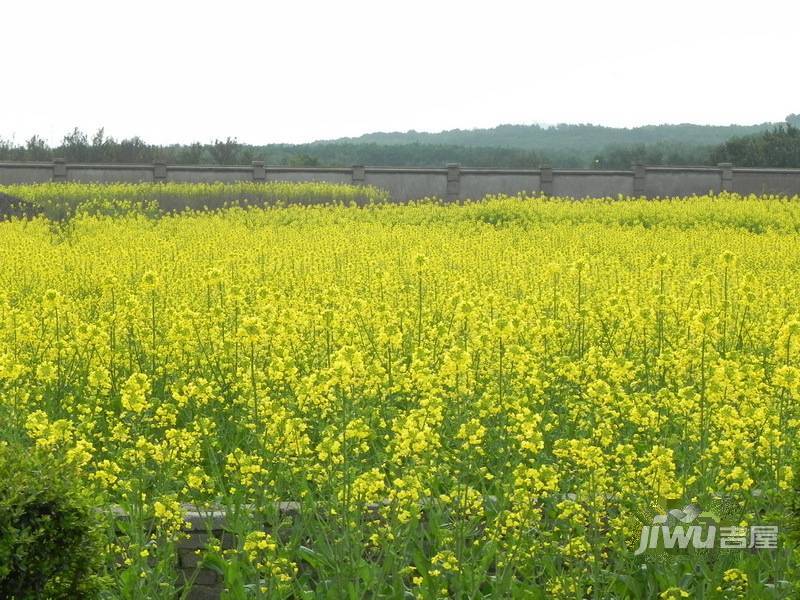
[[766, 171], [686, 169], [390, 170], [26, 165], [341, 170], [592, 172]]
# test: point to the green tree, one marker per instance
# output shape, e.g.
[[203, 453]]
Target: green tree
[[777, 147], [75, 146], [225, 153], [36, 149]]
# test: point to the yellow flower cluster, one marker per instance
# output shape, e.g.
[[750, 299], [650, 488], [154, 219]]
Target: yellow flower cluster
[[263, 554]]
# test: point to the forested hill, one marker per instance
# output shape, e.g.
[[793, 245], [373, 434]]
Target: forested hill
[[509, 146], [563, 138]]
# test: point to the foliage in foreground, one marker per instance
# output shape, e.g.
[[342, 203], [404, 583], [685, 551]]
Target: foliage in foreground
[[515, 386], [51, 544]]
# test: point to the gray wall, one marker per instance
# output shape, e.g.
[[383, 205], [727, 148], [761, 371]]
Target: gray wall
[[329, 175], [207, 175], [475, 184], [109, 174], [592, 184], [451, 183], [25, 173], [666, 181], [409, 184], [765, 181]]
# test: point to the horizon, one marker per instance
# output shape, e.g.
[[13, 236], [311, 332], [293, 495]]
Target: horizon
[[354, 138]]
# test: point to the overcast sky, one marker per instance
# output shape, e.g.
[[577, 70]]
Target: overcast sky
[[295, 71]]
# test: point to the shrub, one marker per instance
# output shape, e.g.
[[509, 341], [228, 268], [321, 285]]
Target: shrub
[[51, 544]]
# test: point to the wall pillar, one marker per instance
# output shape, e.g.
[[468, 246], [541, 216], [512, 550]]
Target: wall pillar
[[726, 176], [59, 169], [546, 180], [453, 181], [359, 175], [159, 172], [639, 180], [259, 172]]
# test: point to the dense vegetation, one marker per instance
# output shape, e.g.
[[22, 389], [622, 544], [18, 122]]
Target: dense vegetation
[[52, 544], [778, 147], [513, 146], [480, 400]]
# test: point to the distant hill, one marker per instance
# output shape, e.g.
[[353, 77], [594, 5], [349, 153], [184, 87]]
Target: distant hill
[[584, 141]]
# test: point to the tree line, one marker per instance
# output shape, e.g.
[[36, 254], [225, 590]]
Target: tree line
[[776, 145]]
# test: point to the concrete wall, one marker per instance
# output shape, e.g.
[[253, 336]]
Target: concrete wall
[[475, 184], [330, 175], [765, 181], [109, 174], [663, 182], [452, 183], [208, 174], [409, 184], [592, 184], [25, 173]]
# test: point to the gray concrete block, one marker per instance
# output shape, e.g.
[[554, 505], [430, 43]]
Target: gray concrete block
[[159, 171], [189, 558], [639, 180], [259, 172], [453, 181], [546, 180], [202, 577], [59, 170], [727, 177], [201, 592], [196, 540]]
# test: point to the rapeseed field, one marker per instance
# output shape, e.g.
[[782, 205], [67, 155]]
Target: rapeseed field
[[490, 399]]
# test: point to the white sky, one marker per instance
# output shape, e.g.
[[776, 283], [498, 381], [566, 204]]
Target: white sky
[[295, 71]]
